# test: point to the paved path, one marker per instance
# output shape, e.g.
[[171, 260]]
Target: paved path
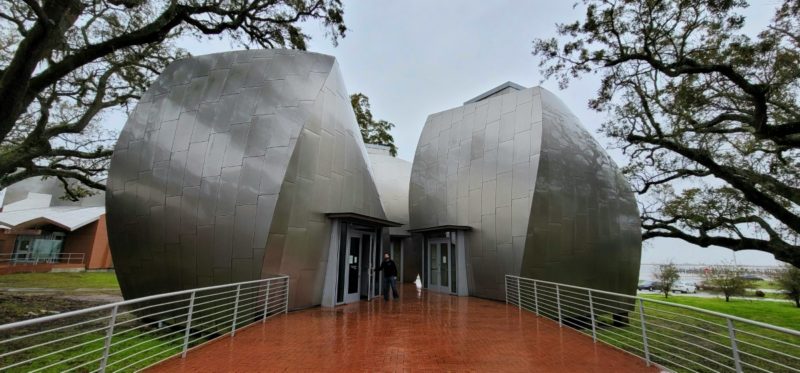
[[423, 331]]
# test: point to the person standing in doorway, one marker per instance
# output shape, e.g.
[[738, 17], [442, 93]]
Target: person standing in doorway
[[389, 276]]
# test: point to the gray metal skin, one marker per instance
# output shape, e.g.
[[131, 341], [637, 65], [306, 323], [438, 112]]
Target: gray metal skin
[[542, 197], [225, 169], [392, 177]]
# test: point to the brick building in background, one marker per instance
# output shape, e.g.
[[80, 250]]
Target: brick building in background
[[41, 231]]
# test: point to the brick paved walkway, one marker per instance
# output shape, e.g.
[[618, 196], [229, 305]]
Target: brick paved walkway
[[423, 331]]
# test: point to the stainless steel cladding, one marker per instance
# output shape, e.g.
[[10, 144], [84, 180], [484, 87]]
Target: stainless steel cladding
[[391, 178], [225, 169], [542, 197]]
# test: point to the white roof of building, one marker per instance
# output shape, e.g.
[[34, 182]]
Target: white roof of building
[[38, 201], [67, 217]]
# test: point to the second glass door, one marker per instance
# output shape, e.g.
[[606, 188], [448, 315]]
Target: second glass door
[[440, 258]]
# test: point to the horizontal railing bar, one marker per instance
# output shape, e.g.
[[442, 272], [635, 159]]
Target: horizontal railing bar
[[53, 329], [789, 344], [670, 333], [669, 359], [226, 311], [726, 346], [68, 359], [119, 343], [139, 344], [672, 355], [687, 316], [658, 310], [151, 356], [141, 318], [56, 341], [23, 323], [696, 309], [46, 355], [768, 349], [768, 361], [160, 338], [576, 311], [248, 316], [687, 325], [651, 340], [596, 305], [84, 364], [214, 326], [609, 331], [255, 304], [621, 342], [753, 366], [255, 301], [149, 306], [242, 292]]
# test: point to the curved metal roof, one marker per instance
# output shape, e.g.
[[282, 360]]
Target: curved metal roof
[[392, 176]]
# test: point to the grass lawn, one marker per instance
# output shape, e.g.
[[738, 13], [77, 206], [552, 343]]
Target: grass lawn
[[61, 280], [764, 284], [783, 314]]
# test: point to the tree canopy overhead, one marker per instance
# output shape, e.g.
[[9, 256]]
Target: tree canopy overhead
[[66, 63], [372, 131], [708, 115]]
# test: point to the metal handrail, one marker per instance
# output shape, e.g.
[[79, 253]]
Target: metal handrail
[[661, 332], [151, 328], [708, 312], [18, 258]]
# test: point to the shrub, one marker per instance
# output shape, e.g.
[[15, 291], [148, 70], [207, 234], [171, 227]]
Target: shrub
[[788, 278], [667, 275], [728, 279]]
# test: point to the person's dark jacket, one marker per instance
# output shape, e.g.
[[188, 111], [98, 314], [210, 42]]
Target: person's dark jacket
[[388, 267]]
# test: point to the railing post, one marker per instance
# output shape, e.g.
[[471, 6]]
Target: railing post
[[535, 298], [286, 298], [266, 302], [519, 294], [734, 347], [235, 309], [591, 314], [558, 304], [109, 334], [644, 332], [188, 325], [506, 284]]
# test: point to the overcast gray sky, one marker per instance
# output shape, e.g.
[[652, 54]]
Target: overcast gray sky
[[414, 58]]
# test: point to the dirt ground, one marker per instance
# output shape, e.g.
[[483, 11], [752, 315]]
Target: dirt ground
[[22, 304]]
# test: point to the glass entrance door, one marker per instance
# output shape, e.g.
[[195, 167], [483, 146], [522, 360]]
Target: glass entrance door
[[353, 276], [356, 279], [368, 258], [440, 254]]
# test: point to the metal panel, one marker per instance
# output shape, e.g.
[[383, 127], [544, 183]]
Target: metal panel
[[233, 156], [541, 195]]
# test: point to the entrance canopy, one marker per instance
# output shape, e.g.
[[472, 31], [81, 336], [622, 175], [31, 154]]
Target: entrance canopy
[[441, 228], [362, 219]]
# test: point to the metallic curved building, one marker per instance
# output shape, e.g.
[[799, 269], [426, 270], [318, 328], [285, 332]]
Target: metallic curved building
[[511, 183], [392, 175], [241, 165]]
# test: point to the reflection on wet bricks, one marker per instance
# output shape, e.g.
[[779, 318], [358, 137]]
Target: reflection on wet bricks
[[423, 331]]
